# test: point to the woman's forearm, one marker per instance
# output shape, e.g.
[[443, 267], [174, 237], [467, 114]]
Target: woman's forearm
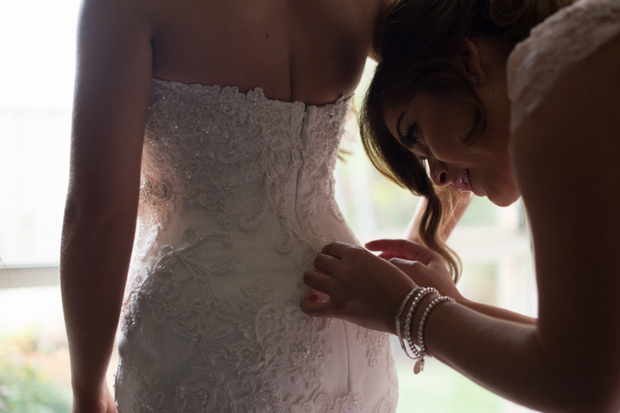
[[497, 312], [503, 356], [512, 367], [94, 261]]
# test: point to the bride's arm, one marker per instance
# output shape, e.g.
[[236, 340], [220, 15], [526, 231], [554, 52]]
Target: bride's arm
[[111, 98]]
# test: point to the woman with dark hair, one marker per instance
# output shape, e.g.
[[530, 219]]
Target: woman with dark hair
[[499, 99]]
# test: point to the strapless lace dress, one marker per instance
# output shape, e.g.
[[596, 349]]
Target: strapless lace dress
[[237, 197], [568, 36]]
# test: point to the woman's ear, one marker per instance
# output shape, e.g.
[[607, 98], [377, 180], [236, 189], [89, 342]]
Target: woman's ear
[[469, 55]]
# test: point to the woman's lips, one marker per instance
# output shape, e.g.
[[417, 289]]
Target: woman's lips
[[462, 181]]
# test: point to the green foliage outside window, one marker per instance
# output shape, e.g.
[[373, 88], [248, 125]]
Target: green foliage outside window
[[27, 384]]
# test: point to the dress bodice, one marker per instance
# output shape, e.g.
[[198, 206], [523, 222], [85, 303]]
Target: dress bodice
[[237, 198], [221, 157]]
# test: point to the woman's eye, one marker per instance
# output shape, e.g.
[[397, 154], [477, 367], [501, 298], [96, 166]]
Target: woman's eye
[[411, 138]]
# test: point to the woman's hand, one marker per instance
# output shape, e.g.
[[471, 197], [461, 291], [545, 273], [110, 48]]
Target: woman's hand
[[362, 287], [424, 266], [103, 405]]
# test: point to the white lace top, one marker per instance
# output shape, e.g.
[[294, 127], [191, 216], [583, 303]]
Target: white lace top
[[564, 38]]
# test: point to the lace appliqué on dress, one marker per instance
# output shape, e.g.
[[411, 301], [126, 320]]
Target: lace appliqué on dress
[[196, 134], [237, 198]]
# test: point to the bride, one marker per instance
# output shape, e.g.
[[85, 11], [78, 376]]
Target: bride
[[208, 131]]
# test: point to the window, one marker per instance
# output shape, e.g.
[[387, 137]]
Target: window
[[37, 75]]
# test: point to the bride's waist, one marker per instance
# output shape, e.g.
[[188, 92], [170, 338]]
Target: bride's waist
[[244, 202], [243, 215], [278, 220]]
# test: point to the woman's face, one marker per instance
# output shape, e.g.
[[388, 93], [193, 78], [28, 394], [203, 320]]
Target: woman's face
[[437, 128]]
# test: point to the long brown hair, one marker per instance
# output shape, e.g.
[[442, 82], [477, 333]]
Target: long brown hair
[[416, 45]]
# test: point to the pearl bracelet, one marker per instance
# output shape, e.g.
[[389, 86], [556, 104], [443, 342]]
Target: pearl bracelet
[[427, 311], [400, 313], [417, 355]]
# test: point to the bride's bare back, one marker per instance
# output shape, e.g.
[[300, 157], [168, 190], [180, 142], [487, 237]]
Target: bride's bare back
[[311, 51]]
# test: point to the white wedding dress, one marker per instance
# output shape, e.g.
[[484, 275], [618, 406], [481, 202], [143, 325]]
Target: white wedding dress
[[237, 198]]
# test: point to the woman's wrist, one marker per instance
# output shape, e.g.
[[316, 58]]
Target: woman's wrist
[[418, 306], [417, 314], [88, 388], [105, 403]]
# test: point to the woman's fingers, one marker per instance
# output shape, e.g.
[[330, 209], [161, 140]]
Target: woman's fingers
[[326, 263], [361, 287], [315, 308], [403, 248], [395, 246], [388, 255], [336, 249], [435, 274], [319, 281]]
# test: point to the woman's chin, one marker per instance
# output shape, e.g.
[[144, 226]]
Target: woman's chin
[[504, 199]]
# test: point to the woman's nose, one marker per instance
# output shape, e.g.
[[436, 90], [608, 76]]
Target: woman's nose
[[439, 173]]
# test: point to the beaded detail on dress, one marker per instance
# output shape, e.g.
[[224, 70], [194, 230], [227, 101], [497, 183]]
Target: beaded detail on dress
[[566, 37], [237, 197]]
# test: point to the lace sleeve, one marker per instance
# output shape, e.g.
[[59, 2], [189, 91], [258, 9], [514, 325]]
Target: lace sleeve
[[568, 36]]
